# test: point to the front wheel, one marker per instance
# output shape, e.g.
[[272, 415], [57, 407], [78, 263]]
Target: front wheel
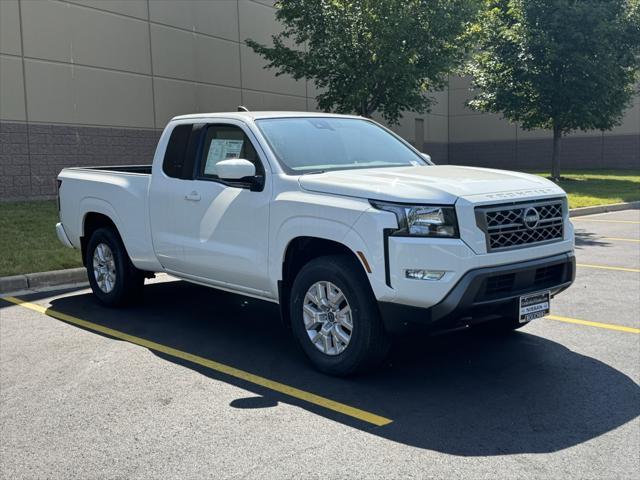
[[115, 281], [335, 316]]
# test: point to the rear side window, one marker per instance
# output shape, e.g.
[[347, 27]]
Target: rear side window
[[174, 156]]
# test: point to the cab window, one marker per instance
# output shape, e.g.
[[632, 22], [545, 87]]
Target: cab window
[[224, 142], [174, 156]]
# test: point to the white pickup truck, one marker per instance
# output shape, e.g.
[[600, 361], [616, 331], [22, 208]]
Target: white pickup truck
[[354, 232]]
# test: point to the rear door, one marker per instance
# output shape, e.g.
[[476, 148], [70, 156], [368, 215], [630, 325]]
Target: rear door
[[223, 226]]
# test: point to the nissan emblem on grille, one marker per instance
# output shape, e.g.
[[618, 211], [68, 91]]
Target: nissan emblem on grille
[[523, 224], [531, 218]]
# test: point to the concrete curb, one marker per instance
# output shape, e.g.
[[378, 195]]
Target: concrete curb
[[32, 281], [614, 207]]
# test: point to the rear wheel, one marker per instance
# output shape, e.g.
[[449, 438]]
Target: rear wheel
[[335, 317], [115, 281]]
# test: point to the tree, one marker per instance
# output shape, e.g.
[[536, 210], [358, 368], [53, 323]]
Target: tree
[[561, 65], [370, 55]]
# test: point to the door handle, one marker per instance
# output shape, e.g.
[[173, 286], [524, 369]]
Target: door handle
[[192, 197]]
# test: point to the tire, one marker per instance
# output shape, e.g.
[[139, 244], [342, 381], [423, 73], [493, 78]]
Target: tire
[[368, 342], [113, 278]]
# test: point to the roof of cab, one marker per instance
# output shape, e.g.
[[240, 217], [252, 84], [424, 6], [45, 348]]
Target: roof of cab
[[258, 115]]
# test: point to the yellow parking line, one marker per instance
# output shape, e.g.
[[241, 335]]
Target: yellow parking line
[[218, 367], [582, 219], [622, 239], [606, 267], [608, 326]]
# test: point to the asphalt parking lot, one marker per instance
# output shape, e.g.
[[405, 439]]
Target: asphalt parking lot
[[195, 383]]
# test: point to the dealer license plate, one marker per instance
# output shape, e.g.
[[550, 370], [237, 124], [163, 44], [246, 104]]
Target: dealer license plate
[[534, 305]]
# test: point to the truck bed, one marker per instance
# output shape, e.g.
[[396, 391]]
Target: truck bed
[[139, 169], [118, 192]]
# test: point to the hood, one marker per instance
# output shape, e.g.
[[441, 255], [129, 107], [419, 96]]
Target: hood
[[421, 184]]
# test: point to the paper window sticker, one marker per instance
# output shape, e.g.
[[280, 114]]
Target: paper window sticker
[[221, 149]]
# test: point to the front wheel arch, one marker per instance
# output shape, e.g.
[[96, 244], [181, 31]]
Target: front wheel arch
[[300, 251]]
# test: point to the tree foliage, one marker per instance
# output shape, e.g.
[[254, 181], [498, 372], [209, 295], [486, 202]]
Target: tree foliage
[[370, 55], [557, 64]]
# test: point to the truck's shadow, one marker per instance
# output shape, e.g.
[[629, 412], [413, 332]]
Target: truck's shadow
[[458, 394], [584, 238]]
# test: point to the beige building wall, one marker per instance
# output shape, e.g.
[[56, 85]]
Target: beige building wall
[[94, 81], [136, 63], [488, 139], [86, 82]]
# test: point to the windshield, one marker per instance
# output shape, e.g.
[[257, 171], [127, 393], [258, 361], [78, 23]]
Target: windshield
[[316, 144]]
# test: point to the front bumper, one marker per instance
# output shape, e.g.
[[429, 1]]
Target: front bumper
[[484, 293]]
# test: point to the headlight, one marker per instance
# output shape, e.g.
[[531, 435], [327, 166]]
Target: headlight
[[422, 220]]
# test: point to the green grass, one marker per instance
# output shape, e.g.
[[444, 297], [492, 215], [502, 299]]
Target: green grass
[[587, 188], [28, 241]]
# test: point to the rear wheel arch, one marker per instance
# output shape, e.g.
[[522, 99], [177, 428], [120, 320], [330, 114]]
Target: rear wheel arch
[[91, 222], [114, 280]]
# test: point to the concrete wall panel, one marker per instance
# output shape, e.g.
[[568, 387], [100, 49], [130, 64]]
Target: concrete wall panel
[[11, 89], [190, 56], [257, 21], [533, 134], [269, 3], [113, 98], [218, 18], [268, 101], [631, 120], [10, 27], [65, 32], [458, 103], [42, 78], [210, 98], [437, 128], [173, 97], [468, 128], [85, 95], [406, 128], [132, 8], [441, 105], [255, 77], [456, 82], [312, 90], [438, 151]]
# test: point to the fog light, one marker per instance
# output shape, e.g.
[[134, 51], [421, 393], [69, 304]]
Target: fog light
[[424, 274]]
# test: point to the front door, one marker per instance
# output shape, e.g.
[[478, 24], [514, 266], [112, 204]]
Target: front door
[[225, 225]]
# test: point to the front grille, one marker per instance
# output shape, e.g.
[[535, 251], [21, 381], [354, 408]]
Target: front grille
[[523, 224]]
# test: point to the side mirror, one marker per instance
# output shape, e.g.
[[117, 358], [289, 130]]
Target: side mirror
[[427, 157], [235, 169]]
